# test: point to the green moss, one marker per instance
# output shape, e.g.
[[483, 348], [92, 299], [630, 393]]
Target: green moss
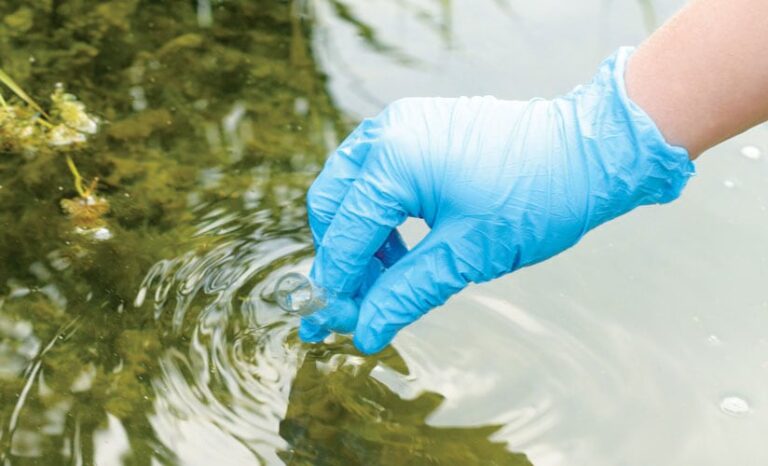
[[21, 20], [142, 125]]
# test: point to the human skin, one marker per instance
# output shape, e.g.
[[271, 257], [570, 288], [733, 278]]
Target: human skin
[[703, 76]]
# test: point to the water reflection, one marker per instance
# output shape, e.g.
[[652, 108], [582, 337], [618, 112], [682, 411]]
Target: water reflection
[[240, 377], [337, 400]]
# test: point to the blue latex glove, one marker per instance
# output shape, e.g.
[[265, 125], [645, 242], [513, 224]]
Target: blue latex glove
[[502, 185]]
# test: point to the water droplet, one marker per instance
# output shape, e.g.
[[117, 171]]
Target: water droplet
[[714, 340], [734, 406], [751, 152], [730, 184]]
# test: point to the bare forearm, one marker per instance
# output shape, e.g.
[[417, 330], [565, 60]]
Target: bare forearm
[[703, 77]]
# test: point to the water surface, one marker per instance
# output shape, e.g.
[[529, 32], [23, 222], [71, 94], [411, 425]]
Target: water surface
[[646, 344]]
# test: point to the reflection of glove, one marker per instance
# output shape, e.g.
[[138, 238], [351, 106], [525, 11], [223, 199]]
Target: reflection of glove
[[502, 184]]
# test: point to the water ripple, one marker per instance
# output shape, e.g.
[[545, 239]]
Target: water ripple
[[229, 374]]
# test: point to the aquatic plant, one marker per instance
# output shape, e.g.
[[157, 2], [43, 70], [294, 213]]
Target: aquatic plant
[[224, 97], [226, 118], [8, 81], [29, 130], [330, 423]]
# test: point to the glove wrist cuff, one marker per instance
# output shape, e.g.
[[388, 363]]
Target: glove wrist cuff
[[622, 142], [670, 166]]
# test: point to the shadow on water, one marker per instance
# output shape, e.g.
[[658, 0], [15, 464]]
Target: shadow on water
[[155, 345]]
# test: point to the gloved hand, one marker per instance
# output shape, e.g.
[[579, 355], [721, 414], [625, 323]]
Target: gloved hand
[[502, 185]]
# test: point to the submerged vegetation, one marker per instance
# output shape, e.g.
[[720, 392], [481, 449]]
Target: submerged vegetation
[[175, 100], [200, 128], [326, 425], [28, 131]]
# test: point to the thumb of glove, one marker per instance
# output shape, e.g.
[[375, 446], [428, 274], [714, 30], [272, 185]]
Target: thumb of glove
[[423, 279]]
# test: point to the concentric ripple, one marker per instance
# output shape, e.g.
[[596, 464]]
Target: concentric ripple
[[234, 381], [233, 372]]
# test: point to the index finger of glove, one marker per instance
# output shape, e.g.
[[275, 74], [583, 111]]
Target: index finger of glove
[[364, 220], [334, 181], [340, 171]]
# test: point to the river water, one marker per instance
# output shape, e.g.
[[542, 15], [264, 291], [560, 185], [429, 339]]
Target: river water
[[645, 344]]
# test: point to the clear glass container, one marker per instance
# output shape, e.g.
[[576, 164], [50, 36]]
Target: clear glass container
[[296, 294]]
